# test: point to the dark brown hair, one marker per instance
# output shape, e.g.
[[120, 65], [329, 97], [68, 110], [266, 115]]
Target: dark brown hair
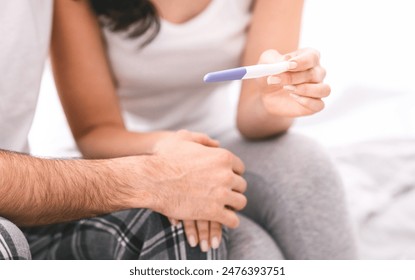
[[135, 17]]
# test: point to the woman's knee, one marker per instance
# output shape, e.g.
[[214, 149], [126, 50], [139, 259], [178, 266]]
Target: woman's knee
[[304, 159], [287, 172], [13, 244], [291, 159], [251, 242]]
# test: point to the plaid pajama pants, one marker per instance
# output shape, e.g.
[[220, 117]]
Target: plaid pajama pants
[[132, 234]]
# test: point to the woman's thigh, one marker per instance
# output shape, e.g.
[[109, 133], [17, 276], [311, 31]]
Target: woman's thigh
[[294, 192]]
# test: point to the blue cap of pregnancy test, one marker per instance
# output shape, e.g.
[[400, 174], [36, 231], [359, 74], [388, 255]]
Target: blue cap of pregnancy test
[[225, 75]]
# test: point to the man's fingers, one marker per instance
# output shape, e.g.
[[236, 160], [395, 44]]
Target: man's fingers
[[229, 158], [197, 137], [240, 184], [205, 140], [190, 230], [237, 164], [237, 201], [229, 218], [203, 233]]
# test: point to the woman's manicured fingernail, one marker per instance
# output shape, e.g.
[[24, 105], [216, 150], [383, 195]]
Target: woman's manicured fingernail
[[192, 241], [272, 80], [204, 246], [215, 243], [292, 65], [290, 88]]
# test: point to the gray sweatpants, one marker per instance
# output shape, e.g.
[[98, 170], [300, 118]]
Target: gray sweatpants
[[296, 205]]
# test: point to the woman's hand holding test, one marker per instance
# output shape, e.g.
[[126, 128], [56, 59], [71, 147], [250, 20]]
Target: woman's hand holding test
[[299, 91]]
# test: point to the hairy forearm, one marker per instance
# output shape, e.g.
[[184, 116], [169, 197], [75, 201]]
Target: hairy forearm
[[36, 191], [111, 141]]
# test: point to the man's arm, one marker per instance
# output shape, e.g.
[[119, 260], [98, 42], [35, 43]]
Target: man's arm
[[37, 191]]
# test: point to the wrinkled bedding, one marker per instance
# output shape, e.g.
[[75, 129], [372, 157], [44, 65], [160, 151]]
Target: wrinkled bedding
[[370, 134], [379, 179]]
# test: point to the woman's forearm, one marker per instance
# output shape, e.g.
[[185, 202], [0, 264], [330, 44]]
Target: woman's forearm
[[112, 141], [275, 25]]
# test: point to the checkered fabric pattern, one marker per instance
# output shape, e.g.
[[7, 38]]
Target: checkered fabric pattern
[[132, 234]]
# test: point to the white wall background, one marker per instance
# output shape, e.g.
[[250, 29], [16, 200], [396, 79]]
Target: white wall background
[[368, 49]]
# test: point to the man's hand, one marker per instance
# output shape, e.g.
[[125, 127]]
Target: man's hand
[[192, 179]]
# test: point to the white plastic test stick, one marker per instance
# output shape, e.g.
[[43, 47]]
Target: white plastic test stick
[[247, 72]]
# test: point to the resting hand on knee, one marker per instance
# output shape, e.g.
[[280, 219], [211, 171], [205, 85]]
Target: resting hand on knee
[[203, 182]]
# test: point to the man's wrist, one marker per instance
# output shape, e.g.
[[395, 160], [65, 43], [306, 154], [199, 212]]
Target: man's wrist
[[134, 181]]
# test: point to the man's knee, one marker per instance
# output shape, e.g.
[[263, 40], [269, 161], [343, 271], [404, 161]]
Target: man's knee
[[173, 240], [138, 234], [13, 244]]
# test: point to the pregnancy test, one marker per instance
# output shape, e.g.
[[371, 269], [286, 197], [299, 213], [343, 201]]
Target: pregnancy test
[[247, 72]]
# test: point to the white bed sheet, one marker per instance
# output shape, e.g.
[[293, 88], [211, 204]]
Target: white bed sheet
[[380, 187]]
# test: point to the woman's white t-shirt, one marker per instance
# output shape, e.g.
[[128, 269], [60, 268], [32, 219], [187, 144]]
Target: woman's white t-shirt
[[161, 86], [25, 34]]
